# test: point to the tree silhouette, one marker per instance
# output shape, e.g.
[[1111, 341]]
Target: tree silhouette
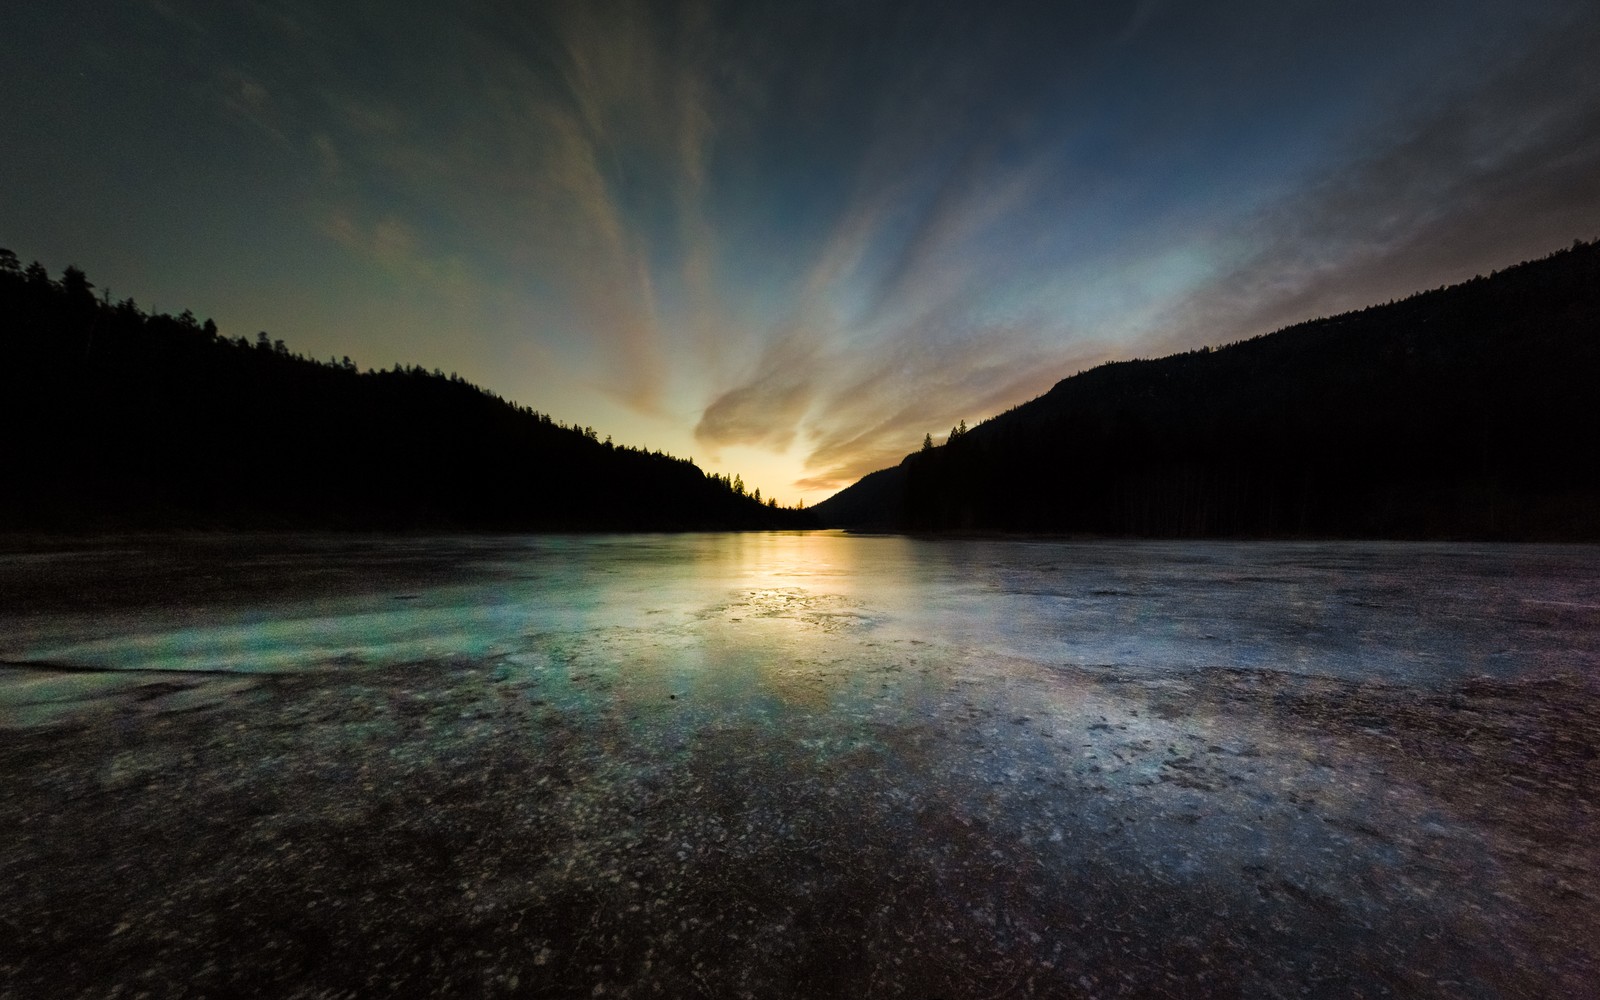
[[118, 418], [1460, 412]]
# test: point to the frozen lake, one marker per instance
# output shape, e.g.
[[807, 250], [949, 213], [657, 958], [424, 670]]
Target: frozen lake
[[806, 764], [1415, 614]]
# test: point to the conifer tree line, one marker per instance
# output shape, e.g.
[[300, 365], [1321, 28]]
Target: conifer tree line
[[120, 418], [1469, 411]]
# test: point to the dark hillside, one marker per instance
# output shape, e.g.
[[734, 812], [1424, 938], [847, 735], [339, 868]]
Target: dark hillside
[[1467, 411], [874, 502], [118, 419]]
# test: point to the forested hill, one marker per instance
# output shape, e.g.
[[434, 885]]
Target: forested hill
[[1471, 411], [114, 419]]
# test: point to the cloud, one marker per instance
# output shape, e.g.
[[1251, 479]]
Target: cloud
[[943, 253], [535, 153], [598, 122], [1486, 172], [577, 144], [824, 230], [1501, 158], [248, 99], [604, 265], [327, 155], [766, 409], [892, 298], [398, 248], [924, 381]]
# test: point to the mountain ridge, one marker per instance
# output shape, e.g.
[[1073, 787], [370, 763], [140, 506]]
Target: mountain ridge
[[117, 419], [1459, 411]]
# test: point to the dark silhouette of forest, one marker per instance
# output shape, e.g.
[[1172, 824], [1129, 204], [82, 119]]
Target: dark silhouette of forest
[[114, 418], [1471, 411]]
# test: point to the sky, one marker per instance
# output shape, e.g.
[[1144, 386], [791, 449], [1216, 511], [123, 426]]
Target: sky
[[788, 239]]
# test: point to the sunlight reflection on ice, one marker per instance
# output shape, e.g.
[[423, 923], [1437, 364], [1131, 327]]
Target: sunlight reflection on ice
[[1043, 751], [1337, 609]]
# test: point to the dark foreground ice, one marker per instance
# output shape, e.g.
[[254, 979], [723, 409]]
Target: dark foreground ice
[[798, 765]]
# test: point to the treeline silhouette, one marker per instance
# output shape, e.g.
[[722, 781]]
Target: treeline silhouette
[[1471, 411], [116, 418]]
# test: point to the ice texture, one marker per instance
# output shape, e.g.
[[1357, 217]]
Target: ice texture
[[805, 764], [1414, 613]]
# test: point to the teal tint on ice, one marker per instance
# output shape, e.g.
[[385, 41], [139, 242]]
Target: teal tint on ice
[[1418, 613]]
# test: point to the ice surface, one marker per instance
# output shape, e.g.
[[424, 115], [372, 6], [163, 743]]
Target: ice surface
[[1415, 613], [803, 764]]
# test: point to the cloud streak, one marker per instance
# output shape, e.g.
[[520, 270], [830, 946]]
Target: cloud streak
[[767, 409], [1488, 171], [814, 231]]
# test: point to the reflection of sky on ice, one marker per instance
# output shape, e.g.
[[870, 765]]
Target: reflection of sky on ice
[[1006, 734], [1419, 613]]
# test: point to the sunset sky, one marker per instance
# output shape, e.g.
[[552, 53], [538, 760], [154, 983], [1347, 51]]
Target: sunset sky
[[788, 239]]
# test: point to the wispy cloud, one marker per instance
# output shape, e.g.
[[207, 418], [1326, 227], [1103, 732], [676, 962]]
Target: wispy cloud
[[581, 146], [880, 405], [858, 386], [821, 230], [766, 410], [527, 152], [396, 246], [1484, 172], [612, 123], [248, 99]]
